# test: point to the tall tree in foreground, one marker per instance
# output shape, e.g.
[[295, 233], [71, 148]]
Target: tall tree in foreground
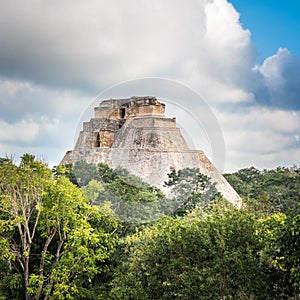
[[48, 243]]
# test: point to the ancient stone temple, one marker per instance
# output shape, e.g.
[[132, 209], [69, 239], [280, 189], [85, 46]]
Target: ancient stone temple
[[135, 134]]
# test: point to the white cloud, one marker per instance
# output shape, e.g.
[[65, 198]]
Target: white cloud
[[286, 157], [227, 42], [271, 69], [101, 43], [89, 46], [24, 131], [261, 118], [55, 56], [21, 99], [260, 136], [281, 76], [47, 138]]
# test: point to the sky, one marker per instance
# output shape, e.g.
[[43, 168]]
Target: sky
[[242, 57], [273, 24]]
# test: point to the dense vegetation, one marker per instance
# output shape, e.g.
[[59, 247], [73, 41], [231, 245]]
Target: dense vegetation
[[279, 188], [89, 232]]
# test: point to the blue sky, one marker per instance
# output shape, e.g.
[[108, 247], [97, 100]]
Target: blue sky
[[242, 57], [273, 24]]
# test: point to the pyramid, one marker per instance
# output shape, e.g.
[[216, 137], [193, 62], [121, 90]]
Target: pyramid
[[135, 134]]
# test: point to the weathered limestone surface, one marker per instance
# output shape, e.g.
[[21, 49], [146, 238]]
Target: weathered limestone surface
[[135, 134]]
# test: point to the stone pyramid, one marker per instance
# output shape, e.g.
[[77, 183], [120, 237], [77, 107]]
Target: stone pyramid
[[135, 134]]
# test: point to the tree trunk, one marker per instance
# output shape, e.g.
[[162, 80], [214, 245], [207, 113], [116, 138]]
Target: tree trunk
[[26, 278]]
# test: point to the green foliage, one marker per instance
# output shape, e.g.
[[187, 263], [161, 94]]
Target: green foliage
[[132, 213], [132, 200], [191, 188], [61, 242], [92, 190], [287, 245], [278, 188], [84, 172], [106, 173], [66, 171], [50, 235], [198, 257]]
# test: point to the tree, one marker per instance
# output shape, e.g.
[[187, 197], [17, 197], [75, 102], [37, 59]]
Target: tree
[[46, 232], [132, 200], [290, 246], [199, 256], [84, 172], [288, 258], [284, 248], [271, 190], [191, 188]]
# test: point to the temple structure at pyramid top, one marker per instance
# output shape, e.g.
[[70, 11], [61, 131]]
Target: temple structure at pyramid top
[[135, 134]]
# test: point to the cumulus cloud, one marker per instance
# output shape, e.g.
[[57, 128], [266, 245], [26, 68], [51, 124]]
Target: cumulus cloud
[[56, 56], [93, 45], [89, 46], [45, 137], [38, 117], [261, 136], [281, 76], [24, 131], [21, 99], [96, 44]]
